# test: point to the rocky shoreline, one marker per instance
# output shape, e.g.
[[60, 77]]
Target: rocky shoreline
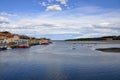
[[109, 49]]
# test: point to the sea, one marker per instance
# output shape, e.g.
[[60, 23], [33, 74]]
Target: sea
[[60, 61]]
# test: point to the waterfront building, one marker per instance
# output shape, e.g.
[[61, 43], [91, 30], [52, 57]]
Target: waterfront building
[[22, 41], [3, 44], [34, 41], [43, 41]]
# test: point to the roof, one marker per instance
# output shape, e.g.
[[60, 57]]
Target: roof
[[1, 38], [23, 37]]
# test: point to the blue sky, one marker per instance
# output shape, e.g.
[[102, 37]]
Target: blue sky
[[61, 19]]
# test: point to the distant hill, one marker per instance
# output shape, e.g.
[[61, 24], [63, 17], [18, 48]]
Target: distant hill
[[95, 39], [113, 37]]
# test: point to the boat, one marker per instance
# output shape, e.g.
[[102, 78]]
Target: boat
[[22, 44], [9, 47], [3, 48], [44, 43]]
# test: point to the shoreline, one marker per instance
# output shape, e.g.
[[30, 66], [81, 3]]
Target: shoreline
[[115, 49], [94, 42]]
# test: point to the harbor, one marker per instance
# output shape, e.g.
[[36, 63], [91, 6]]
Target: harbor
[[10, 41], [58, 61], [59, 39]]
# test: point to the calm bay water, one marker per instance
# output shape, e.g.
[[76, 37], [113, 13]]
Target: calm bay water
[[59, 61]]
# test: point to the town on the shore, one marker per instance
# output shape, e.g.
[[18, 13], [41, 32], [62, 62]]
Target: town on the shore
[[10, 41]]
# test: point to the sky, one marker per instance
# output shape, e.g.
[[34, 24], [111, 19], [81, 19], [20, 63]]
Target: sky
[[60, 19]]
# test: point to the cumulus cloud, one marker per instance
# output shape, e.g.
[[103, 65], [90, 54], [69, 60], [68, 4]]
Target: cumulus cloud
[[54, 8], [67, 23], [54, 5]]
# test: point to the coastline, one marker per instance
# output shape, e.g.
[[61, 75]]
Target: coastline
[[102, 49], [117, 50], [95, 42]]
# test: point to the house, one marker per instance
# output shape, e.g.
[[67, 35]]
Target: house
[[34, 41], [5, 39], [3, 44], [43, 41], [10, 39], [2, 36], [108, 38], [22, 41], [8, 36]]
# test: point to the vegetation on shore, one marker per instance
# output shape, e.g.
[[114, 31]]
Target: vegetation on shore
[[95, 39]]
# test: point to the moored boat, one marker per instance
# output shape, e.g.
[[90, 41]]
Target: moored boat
[[22, 44], [43, 43], [3, 48], [9, 47]]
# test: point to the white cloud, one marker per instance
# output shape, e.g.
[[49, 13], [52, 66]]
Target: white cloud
[[62, 1], [53, 5], [68, 22], [4, 20], [50, 1], [43, 4], [54, 8], [104, 24], [7, 14]]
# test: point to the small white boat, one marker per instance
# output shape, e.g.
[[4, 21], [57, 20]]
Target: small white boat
[[9, 48]]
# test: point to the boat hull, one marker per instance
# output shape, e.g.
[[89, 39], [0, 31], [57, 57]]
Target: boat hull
[[44, 44], [4, 48], [22, 46]]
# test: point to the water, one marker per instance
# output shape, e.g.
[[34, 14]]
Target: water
[[59, 61]]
